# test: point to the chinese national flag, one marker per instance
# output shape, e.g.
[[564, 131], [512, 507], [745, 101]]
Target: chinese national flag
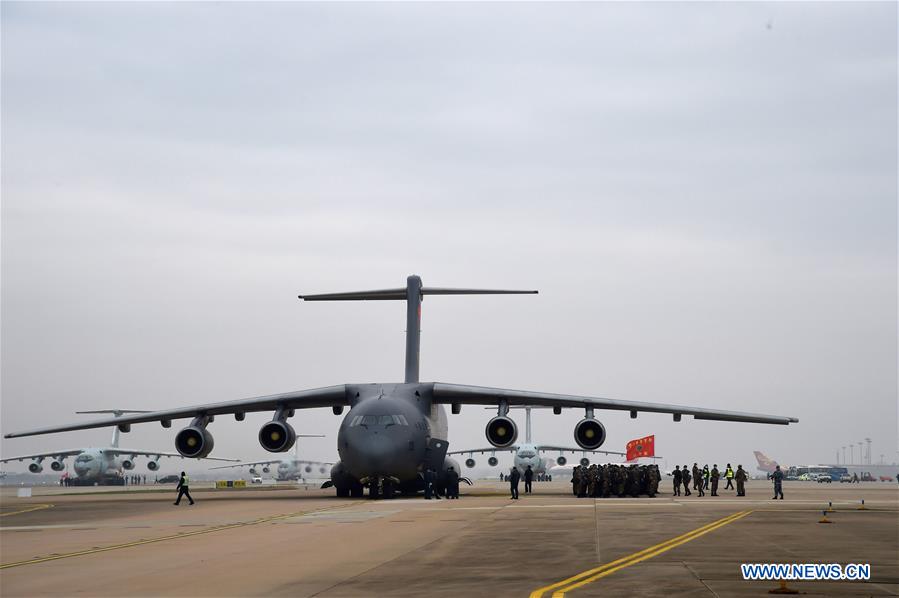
[[641, 447]]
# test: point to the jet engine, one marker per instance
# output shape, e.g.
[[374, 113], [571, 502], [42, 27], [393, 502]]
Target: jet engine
[[585, 462], [253, 471], [308, 469], [501, 431], [194, 442], [277, 436], [492, 461], [561, 460], [469, 463], [35, 467], [266, 469], [57, 465], [127, 464], [589, 434], [153, 465]]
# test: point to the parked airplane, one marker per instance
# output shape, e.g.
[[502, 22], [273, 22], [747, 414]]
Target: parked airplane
[[528, 453], [394, 430], [766, 464], [98, 464], [288, 469]]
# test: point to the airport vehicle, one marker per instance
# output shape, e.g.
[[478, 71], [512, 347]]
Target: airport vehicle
[[528, 453], [169, 479], [99, 465], [845, 478], [394, 431], [287, 469], [822, 478], [256, 480]]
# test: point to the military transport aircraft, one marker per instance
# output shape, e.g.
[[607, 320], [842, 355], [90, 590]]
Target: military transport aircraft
[[528, 453], [288, 469], [98, 465], [393, 431]]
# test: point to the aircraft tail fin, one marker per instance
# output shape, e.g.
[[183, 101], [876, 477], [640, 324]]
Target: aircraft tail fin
[[116, 413], [765, 463], [412, 294]]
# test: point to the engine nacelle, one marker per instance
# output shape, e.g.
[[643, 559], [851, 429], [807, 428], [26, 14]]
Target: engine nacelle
[[322, 469], [57, 465], [308, 469], [589, 434], [492, 461], [469, 463], [561, 460], [253, 471], [501, 431], [585, 462], [127, 464], [277, 436], [194, 442], [35, 467], [153, 465]]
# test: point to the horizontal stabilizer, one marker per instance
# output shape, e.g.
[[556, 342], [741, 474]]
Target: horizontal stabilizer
[[400, 294]]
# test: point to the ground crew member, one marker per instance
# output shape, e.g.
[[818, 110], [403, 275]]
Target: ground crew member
[[697, 478], [528, 478], [778, 477], [677, 480], [699, 486], [429, 483], [715, 477], [183, 489], [452, 483], [514, 476], [575, 475], [706, 474], [741, 481], [729, 476], [685, 474]]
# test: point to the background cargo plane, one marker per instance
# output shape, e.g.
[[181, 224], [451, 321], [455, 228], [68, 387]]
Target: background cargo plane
[[98, 465], [288, 469], [394, 430], [528, 453]]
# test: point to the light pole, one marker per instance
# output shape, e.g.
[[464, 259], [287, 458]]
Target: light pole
[[860, 460], [868, 442], [844, 455]]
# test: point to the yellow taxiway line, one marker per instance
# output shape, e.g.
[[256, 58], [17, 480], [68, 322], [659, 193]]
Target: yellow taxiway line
[[581, 579], [28, 510], [208, 530]]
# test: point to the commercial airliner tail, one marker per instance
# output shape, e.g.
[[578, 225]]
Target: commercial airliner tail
[[765, 464]]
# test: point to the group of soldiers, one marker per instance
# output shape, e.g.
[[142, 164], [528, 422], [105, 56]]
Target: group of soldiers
[[707, 479], [615, 480]]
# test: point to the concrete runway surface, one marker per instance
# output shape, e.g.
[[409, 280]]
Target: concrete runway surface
[[293, 541]]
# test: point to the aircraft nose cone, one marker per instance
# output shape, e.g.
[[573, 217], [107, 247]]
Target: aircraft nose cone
[[369, 454]]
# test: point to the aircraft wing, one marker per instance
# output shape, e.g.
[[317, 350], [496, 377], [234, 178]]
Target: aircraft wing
[[481, 395], [254, 464], [330, 396], [66, 453], [138, 453], [481, 451], [568, 449]]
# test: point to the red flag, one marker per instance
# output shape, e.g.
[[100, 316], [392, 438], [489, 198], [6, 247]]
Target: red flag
[[641, 447]]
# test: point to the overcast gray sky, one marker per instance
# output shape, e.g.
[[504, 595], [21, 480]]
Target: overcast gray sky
[[704, 194]]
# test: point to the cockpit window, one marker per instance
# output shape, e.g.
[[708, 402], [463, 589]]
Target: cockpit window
[[379, 420], [84, 458]]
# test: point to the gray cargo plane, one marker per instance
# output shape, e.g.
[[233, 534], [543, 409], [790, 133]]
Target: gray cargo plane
[[98, 465], [394, 431], [287, 469]]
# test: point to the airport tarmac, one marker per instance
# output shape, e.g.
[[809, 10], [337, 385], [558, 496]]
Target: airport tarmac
[[305, 542]]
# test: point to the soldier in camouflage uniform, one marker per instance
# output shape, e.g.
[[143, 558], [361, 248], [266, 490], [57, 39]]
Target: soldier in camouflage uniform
[[604, 481], [575, 474], [654, 478], [591, 480]]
